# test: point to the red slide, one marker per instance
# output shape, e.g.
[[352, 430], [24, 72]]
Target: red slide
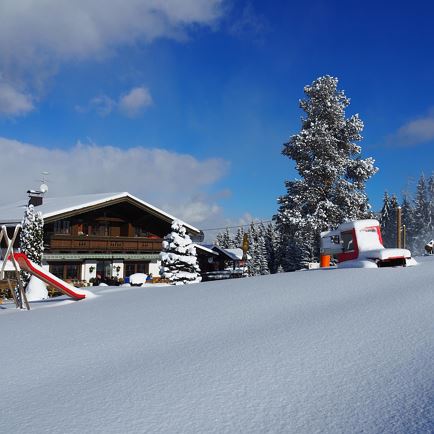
[[50, 279]]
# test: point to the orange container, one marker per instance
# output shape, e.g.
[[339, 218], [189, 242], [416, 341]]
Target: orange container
[[324, 261]]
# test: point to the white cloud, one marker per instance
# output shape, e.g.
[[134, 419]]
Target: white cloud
[[38, 35], [415, 132], [249, 24], [86, 28], [176, 182], [13, 102], [102, 104], [132, 103]]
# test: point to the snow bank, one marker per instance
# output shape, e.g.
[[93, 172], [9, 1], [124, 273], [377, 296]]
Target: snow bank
[[138, 279], [36, 289], [333, 351]]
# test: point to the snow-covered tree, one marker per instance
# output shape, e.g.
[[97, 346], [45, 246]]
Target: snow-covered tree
[[260, 259], [252, 267], [239, 237], [258, 263], [430, 193], [385, 210], [178, 257], [388, 220], [224, 240], [32, 238], [333, 174], [408, 220], [272, 247], [421, 216]]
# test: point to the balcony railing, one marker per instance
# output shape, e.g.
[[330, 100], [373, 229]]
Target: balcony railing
[[102, 244]]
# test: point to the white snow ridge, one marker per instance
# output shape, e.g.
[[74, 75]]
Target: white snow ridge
[[333, 351]]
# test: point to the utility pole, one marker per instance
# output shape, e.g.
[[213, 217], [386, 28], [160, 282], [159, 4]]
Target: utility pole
[[404, 236], [398, 227]]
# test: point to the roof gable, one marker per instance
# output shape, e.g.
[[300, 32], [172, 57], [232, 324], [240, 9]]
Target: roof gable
[[63, 207]]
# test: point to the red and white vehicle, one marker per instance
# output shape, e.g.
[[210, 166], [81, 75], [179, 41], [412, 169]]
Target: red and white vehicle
[[359, 244]]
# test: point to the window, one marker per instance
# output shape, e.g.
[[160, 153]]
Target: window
[[347, 242], [66, 270], [72, 271], [62, 227], [140, 231], [101, 229], [57, 270]]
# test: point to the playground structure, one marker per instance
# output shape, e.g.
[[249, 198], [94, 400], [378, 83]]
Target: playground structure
[[20, 261], [18, 292], [359, 244]]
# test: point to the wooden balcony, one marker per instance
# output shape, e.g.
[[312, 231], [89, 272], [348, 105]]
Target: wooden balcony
[[102, 244]]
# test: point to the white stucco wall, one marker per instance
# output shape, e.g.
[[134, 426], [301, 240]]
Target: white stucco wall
[[118, 263], [154, 267], [85, 270]]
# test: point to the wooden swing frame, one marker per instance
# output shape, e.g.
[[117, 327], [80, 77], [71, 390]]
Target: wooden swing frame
[[9, 256]]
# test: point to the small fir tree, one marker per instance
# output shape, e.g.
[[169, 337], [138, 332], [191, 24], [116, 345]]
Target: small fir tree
[[420, 216], [388, 220], [262, 255], [32, 238], [385, 210], [224, 240], [272, 247], [178, 257], [408, 220], [239, 237], [251, 235]]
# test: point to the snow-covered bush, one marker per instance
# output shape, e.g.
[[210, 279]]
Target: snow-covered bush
[[138, 279], [178, 257], [36, 289]]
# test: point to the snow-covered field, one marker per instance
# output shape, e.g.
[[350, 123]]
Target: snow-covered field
[[337, 351]]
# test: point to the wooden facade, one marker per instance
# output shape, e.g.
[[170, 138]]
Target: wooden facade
[[109, 241], [102, 244]]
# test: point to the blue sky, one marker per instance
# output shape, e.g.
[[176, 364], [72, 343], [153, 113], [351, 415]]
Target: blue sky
[[187, 104]]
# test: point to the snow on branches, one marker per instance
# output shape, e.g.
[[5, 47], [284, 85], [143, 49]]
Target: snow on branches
[[178, 257], [32, 237], [333, 175]]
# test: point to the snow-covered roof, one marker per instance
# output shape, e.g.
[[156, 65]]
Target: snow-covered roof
[[358, 224], [235, 254], [205, 249], [12, 214]]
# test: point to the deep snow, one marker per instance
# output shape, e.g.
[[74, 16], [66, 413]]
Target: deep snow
[[336, 351]]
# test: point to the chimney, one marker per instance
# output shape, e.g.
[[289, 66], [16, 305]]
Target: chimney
[[35, 197]]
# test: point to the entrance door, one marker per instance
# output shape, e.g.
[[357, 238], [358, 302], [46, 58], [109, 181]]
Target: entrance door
[[135, 267], [104, 269]]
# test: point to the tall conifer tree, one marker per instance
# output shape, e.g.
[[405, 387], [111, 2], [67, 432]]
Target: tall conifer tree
[[331, 188]]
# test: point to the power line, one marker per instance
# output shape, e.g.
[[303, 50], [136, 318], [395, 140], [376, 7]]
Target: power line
[[239, 226]]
